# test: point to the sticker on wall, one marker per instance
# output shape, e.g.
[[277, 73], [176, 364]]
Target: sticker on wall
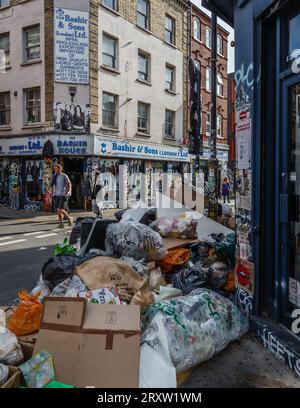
[[243, 220], [294, 292], [243, 143], [243, 247], [244, 276]]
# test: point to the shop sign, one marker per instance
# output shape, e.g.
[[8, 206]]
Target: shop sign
[[221, 155], [73, 145], [22, 146], [118, 148], [71, 33]]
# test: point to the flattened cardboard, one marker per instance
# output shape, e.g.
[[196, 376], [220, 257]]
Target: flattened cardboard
[[13, 378], [173, 243], [102, 352]]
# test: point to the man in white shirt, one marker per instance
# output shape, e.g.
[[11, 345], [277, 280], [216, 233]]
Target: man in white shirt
[[62, 185]]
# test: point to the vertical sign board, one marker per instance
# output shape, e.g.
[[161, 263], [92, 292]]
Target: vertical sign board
[[71, 36]]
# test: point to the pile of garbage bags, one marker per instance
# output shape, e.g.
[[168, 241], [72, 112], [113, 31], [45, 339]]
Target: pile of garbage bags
[[185, 293]]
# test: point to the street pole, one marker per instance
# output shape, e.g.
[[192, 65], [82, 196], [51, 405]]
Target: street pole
[[213, 162]]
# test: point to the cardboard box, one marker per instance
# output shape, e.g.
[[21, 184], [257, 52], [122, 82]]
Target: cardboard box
[[27, 344], [92, 345], [13, 378]]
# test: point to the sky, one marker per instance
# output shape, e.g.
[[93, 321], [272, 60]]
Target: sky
[[231, 36]]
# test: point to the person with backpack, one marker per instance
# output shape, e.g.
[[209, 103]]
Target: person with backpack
[[62, 188]]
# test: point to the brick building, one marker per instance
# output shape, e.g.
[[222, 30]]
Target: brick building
[[201, 53]]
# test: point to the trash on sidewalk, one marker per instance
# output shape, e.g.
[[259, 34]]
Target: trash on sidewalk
[[58, 269], [39, 370], [28, 315], [4, 372], [183, 226], [104, 338], [13, 379], [64, 248], [101, 296], [10, 349]]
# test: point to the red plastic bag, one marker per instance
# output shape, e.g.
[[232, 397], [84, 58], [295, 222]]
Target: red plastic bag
[[28, 315]]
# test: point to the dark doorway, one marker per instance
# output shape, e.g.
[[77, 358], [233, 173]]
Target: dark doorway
[[74, 168]]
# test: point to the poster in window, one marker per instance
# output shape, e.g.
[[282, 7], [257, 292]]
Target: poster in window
[[71, 35]]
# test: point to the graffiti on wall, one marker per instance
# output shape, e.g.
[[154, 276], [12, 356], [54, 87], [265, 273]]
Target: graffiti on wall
[[244, 301]]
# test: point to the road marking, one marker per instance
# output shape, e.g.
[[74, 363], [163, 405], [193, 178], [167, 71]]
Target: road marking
[[4, 238], [47, 235], [13, 242], [33, 233]]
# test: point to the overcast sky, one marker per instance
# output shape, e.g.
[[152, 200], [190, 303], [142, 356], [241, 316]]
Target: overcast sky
[[231, 36]]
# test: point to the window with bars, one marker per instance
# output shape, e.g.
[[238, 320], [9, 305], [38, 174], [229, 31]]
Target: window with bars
[[208, 123], [208, 79], [143, 66], [32, 43], [170, 29], [4, 108], [220, 85], [170, 124], [143, 124], [4, 50], [109, 51], [143, 14], [32, 105], [208, 37], [113, 4], [170, 78], [220, 44], [197, 28], [219, 126], [109, 110]]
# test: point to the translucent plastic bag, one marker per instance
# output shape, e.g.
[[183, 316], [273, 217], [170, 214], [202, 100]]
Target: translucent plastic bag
[[10, 350], [28, 315], [197, 326], [64, 249], [181, 226]]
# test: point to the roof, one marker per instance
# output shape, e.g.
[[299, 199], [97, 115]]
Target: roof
[[223, 8]]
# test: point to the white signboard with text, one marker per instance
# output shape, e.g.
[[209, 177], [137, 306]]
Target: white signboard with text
[[71, 37]]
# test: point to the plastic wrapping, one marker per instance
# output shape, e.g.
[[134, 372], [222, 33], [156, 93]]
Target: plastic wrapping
[[41, 287], [174, 258], [58, 269], [61, 289], [76, 286], [189, 278], [181, 226], [10, 350], [197, 326], [135, 241], [39, 370], [4, 373]]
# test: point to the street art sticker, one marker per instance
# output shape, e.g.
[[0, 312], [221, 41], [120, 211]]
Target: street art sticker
[[243, 220], [243, 189], [244, 276], [294, 292], [243, 247], [243, 143]]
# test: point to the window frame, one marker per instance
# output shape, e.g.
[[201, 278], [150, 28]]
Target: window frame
[[146, 56], [173, 87], [220, 85], [6, 50], [113, 57], [115, 5], [115, 111], [6, 109], [140, 129], [208, 123], [167, 31], [208, 70], [208, 37], [197, 30], [220, 44], [33, 106], [26, 47], [172, 124], [219, 126], [145, 16], [2, 6]]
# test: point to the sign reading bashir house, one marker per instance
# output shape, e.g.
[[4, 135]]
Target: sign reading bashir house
[[71, 32]]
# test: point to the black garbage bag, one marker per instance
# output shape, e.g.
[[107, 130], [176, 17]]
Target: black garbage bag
[[189, 278], [58, 269]]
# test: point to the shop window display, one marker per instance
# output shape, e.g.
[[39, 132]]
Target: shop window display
[[34, 184]]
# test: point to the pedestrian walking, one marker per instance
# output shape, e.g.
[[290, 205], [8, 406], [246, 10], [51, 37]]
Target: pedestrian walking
[[226, 190], [62, 187]]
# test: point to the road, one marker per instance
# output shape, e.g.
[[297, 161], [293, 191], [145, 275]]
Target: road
[[25, 245]]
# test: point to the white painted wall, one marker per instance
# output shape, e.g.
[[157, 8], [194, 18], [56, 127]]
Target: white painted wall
[[125, 84], [19, 77]]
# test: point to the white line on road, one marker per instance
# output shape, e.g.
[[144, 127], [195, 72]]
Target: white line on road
[[13, 242], [4, 238], [33, 233], [46, 236]]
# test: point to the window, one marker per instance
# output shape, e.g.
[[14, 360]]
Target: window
[[4, 3], [32, 43], [4, 50], [208, 79], [219, 126], [4, 108], [294, 35], [113, 4], [220, 44], [143, 67], [208, 37], [170, 78], [109, 110], [197, 63], [197, 29], [143, 117], [208, 123], [143, 14], [170, 29], [33, 105], [220, 85], [170, 124], [109, 52]]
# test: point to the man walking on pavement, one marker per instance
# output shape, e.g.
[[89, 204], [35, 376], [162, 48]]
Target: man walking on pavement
[[62, 185]]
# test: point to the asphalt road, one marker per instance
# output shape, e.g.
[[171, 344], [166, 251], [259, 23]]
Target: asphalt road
[[25, 245]]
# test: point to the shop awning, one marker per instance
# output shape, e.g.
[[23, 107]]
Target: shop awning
[[223, 8]]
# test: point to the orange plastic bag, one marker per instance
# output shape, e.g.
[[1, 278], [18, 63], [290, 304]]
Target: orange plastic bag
[[175, 257], [28, 315], [230, 283]]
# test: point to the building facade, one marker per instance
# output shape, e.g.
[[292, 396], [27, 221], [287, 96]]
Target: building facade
[[267, 83], [201, 53], [94, 80]]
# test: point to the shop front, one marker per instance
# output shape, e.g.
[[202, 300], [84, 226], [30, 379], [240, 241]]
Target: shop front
[[268, 169], [26, 168]]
